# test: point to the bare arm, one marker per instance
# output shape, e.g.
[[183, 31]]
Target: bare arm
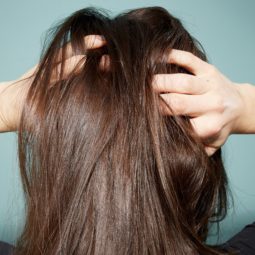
[[3, 121], [11, 98], [13, 93]]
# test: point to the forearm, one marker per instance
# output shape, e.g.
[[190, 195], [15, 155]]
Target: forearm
[[246, 122], [4, 96], [11, 100]]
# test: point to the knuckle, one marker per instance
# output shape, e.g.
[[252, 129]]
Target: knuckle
[[202, 133], [164, 81], [183, 82], [186, 83], [219, 104], [177, 80], [188, 58], [214, 128], [209, 130], [206, 129]]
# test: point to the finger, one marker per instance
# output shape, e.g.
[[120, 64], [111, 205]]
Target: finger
[[209, 134], [75, 63], [189, 61], [72, 64], [91, 42], [179, 83], [94, 41], [207, 128], [210, 150], [182, 104], [105, 62]]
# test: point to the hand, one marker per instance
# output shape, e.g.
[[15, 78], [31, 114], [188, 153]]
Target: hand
[[91, 42], [213, 102], [12, 94]]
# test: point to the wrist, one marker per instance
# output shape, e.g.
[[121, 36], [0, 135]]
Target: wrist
[[245, 123]]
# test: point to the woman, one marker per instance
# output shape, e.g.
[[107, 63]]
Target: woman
[[108, 164]]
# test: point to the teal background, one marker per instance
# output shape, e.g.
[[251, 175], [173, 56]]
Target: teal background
[[225, 29]]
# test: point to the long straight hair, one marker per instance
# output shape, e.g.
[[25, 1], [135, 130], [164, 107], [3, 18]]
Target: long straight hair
[[103, 170]]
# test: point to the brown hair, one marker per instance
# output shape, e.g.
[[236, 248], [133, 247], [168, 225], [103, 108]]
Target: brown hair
[[104, 172]]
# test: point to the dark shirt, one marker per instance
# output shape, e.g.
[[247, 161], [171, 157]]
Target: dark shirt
[[5, 248], [243, 243]]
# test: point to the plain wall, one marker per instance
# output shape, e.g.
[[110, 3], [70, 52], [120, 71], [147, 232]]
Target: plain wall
[[225, 29]]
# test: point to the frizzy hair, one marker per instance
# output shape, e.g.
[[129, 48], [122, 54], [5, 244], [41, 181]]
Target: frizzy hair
[[103, 170]]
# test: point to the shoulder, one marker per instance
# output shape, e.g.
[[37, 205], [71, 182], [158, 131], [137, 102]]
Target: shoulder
[[243, 242], [5, 248]]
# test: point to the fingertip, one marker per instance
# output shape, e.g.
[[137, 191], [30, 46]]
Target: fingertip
[[187, 60], [105, 62], [210, 151], [173, 54], [94, 41]]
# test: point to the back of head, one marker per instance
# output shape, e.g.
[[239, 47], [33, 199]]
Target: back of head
[[103, 170]]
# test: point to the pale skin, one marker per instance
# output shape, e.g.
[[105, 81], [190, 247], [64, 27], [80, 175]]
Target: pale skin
[[217, 106], [12, 93]]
